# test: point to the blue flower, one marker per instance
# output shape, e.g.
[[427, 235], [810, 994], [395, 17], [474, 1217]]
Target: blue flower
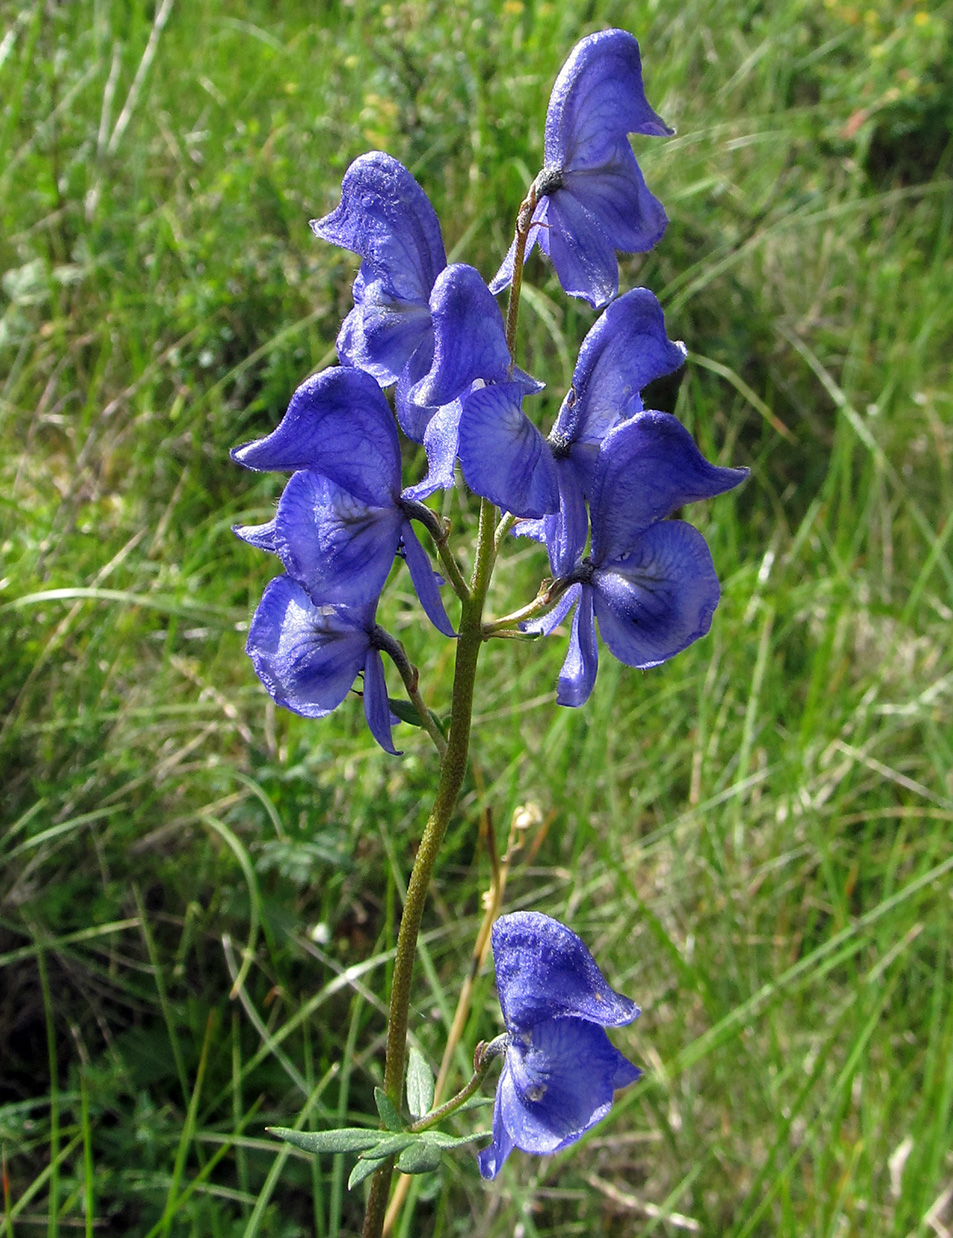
[[308, 656], [386, 218], [625, 350], [560, 1069], [649, 581], [592, 197], [342, 517]]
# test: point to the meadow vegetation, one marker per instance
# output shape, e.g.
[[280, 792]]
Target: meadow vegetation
[[199, 893]]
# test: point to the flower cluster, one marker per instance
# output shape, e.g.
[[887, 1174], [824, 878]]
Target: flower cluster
[[597, 491]]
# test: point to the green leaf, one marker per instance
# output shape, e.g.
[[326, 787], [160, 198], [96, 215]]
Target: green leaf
[[362, 1170], [404, 710], [388, 1145], [421, 1157], [386, 1108], [347, 1139], [475, 1102], [445, 1142], [420, 1084]]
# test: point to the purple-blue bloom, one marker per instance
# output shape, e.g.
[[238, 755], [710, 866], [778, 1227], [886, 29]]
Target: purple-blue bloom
[[592, 196], [308, 656], [625, 350], [649, 581], [560, 1069], [342, 517], [386, 218]]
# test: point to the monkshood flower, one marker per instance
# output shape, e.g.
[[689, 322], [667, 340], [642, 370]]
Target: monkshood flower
[[342, 517], [431, 329], [649, 581], [308, 656], [625, 350], [560, 1069], [471, 373], [592, 197], [386, 218]]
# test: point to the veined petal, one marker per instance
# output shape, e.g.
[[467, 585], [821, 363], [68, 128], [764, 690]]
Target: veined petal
[[504, 457], [659, 598], [545, 971], [559, 1082], [597, 99], [261, 536], [425, 581], [307, 656], [625, 350], [615, 193], [381, 337], [648, 467], [336, 546], [376, 709], [581, 251], [578, 675], [440, 442], [339, 424], [469, 336], [414, 417], [387, 218]]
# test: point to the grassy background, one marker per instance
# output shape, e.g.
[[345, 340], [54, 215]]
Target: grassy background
[[753, 839]]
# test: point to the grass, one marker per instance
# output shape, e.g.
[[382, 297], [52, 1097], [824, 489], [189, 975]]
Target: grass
[[754, 839]]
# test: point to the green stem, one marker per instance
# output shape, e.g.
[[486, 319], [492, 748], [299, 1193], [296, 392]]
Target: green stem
[[452, 771], [408, 673], [484, 1055]]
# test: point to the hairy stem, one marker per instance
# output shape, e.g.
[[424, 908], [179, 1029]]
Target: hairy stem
[[452, 771]]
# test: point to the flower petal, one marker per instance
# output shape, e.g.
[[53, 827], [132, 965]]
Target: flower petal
[[425, 580], [544, 971], [578, 675], [387, 218], [648, 467], [306, 656], [597, 99], [625, 351], [504, 276], [376, 709], [492, 1157], [581, 251], [504, 457], [381, 337], [414, 416], [547, 624], [440, 442], [658, 599], [261, 536], [469, 337], [559, 1082], [616, 194], [336, 546], [339, 424]]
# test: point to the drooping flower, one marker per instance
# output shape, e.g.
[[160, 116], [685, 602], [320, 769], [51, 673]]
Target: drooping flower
[[342, 517], [432, 329], [560, 1069], [308, 656], [592, 197], [624, 351], [386, 218], [648, 580]]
